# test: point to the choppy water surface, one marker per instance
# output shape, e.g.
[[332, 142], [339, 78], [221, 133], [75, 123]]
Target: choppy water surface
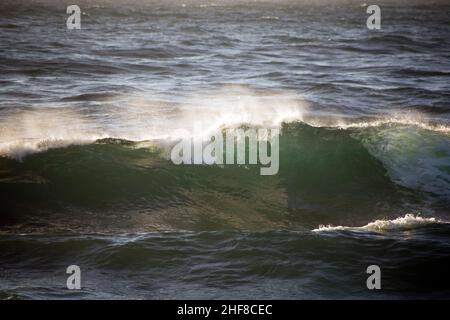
[[87, 116]]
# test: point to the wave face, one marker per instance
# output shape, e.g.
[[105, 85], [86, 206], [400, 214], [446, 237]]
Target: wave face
[[88, 119], [326, 175]]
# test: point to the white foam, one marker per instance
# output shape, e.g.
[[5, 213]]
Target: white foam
[[32, 131], [441, 128], [140, 118], [144, 119], [408, 221], [410, 118]]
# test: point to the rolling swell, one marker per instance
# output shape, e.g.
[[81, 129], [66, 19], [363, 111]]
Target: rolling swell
[[198, 264], [327, 175]]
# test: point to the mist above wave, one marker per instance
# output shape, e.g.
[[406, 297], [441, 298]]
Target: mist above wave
[[139, 118]]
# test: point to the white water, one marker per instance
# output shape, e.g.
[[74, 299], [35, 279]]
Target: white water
[[408, 221]]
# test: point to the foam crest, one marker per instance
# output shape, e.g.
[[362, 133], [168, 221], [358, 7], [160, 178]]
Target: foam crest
[[35, 130], [144, 119], [384, 225], [409, 119]]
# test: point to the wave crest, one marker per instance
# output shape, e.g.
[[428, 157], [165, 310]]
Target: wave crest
[[385, 225]]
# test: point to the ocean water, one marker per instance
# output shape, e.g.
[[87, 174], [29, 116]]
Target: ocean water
[[87, 118]]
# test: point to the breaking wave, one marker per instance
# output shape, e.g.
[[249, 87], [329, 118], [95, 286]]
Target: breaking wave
[[385, 225]]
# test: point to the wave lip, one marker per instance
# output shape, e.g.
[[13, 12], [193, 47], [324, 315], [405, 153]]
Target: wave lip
[[385, 225]]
